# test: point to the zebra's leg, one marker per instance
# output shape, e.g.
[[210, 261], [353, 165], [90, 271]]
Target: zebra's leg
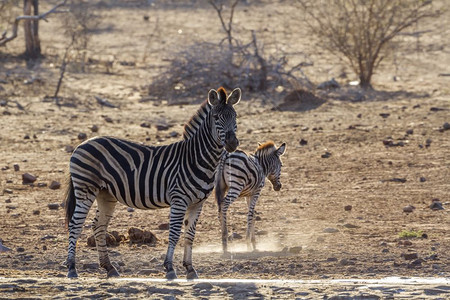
[[106, 205], [232, 195], [84, 197], [190, 222], [177, 212], [251, 241]]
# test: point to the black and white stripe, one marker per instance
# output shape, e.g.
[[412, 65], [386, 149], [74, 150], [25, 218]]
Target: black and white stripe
[[242, 175], [180, 176]]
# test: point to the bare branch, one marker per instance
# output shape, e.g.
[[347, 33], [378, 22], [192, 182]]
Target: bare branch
[[4, 39]]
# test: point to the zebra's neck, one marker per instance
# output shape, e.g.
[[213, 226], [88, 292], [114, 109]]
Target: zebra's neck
[[262, 164]]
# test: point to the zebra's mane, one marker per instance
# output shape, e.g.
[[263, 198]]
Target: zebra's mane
[[266, 146], [194, 123]]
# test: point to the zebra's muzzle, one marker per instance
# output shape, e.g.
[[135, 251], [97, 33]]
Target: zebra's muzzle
[[231, 142]]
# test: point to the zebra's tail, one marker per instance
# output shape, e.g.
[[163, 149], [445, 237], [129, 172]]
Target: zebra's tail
[[219, 188], [71, 200]]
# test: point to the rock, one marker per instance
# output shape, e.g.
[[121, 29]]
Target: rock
[[16, 167], [174, 134], [330, 230], [350, 226], [408, 209], [384, 115], [401, 180], [409, 131], [162, 127], [163, 226], [428, 143], [94, 128], [436, 204], [346, 262], [146, 125], [28, 178], [446, 126], [409, 256], [348, 208], [326, 155], [36, 212], [54, 185], [82, 136], [329, 85], [7, 191], [203, 286], [53, 206], [130, 209], [69, 148], [234, 236], [303, 142], [422, 179], [42, 184], [20, 249], [3, 248], [139, 236], [108, 119]]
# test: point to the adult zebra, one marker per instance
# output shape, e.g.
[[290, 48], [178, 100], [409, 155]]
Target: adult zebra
[[180, 176], [243, 175]]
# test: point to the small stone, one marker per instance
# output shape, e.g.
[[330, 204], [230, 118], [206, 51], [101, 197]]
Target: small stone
[[53, 206], [7, 191], [203, 286], [145, 125], [16, 167], [36, 212], [384, 115], [94, 128], [422, 179], [20, 249], [234, 236], [163, 226], [108, 119], [436, 204], [174, 134], [326, 155], [350, 226], [303, 142], [348, 208], [408, 209], [409, 131], [305, 128], [130, 209], [330, 230], [385, 250], [162, 127], [54, 185], [82, 136], [41, 184], [28, 178], [359, 116], [446, 126], [409, 256], [69, 148]]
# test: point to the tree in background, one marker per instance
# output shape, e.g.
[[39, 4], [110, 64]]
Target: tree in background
[[360, 30]]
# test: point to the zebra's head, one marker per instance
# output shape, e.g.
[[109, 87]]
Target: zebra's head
[[224, 116], [269, 157]]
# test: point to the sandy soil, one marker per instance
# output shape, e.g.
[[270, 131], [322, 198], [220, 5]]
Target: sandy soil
[[303, 231]]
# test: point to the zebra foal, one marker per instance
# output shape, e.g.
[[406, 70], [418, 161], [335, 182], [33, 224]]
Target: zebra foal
[[180, 176], [243, 175]]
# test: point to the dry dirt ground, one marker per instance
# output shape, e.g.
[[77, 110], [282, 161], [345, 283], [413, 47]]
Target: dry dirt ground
[[303, 231]]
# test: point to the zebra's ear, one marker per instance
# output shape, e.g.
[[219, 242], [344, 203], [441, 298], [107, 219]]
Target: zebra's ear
[[234, 97], [282, 149], [213, 97]]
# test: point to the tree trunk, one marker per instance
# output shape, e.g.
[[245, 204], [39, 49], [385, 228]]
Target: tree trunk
[[31, 29]]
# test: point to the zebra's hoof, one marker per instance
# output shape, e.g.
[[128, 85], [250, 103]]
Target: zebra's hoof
[[171, 275], [113, 273], [192, 275], [72, 273]]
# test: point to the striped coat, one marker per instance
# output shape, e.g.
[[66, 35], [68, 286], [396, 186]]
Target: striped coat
[[243, 175], [180, 176]]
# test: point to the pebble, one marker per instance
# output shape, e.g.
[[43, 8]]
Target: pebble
[[16, 167], [436, 204], [54, 185], [53, 206], [330, 230], [409, 256], [20, 249], [203, 286], [348, 208], [145, 125], [409, 131], [82, 136], [326, 155], [130, 209], [408, 209], [303, 142], [8, 191], [422, 179], [94, 128], [28, 178], [163, 226], [69, 148], [41, 184], [235, 236]]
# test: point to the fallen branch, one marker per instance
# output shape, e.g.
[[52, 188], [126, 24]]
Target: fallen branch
[[4, 39]]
